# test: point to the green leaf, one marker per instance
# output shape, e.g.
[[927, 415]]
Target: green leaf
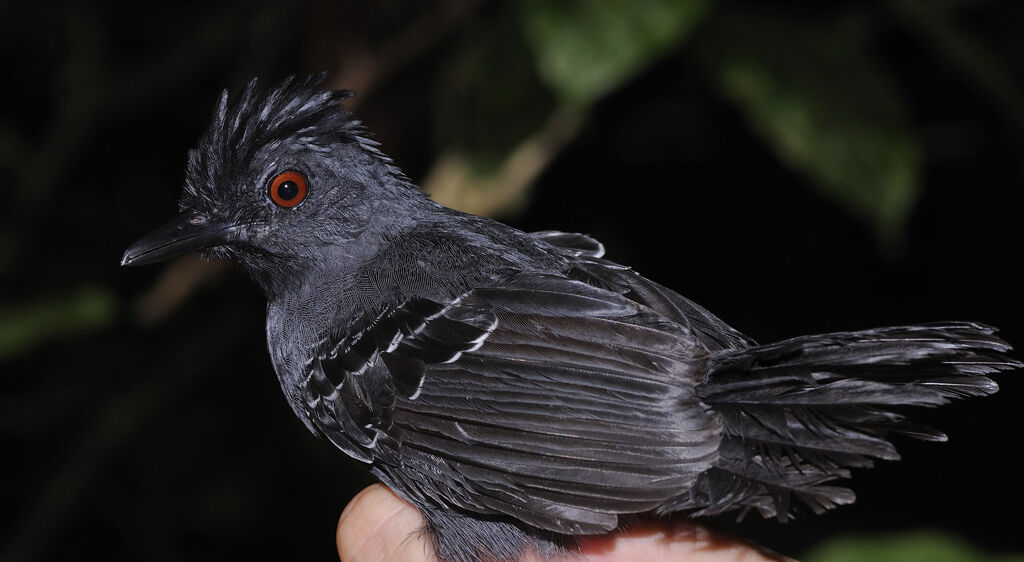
[[490, 97], [585, 48], [25, 326], [519, 89], [919, 546], [810, 91]]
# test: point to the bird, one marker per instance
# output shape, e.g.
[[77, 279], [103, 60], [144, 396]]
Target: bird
[[520, 389]]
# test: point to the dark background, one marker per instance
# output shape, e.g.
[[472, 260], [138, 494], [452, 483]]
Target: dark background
[[140, 415]]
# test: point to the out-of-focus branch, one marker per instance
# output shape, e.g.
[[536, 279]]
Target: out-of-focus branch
[[174, 286], [362, 70], [452, 183]]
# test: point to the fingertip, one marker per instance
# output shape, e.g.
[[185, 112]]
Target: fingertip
[[369, 498], [678, 540], [378, 525], [355, 523]]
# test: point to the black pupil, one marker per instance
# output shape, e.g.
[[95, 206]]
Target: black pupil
[[288, 190]]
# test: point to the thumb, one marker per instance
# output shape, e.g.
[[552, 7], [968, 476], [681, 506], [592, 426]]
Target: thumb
[[378, 525]]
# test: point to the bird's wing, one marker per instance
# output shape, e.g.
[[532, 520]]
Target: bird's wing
[[573, 243], [588, 266], [556, 402]]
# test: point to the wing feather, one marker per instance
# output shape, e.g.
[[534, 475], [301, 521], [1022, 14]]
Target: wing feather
[[557, 402]]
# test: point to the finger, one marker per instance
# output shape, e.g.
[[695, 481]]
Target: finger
[[378, 525], [681, 539]]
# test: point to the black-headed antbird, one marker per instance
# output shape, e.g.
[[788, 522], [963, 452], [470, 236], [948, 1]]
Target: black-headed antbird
[[516, 387]]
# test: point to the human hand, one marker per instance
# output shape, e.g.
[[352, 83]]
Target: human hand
[[378, 525]]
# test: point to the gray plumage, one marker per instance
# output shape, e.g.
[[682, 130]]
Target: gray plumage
[[518, 388]]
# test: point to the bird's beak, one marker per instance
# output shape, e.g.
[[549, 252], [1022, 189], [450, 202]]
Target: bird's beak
[[183, 234]]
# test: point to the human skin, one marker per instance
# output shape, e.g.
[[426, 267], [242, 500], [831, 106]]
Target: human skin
[[378, 525]]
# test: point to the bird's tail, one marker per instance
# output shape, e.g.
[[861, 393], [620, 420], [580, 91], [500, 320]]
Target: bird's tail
[[800, 413]]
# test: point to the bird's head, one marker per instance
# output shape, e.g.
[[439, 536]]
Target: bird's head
[[280, 177]]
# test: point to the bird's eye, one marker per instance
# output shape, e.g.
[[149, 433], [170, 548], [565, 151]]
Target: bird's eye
[[288, 189]]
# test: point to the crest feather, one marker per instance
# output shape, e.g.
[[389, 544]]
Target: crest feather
[[291, 108]]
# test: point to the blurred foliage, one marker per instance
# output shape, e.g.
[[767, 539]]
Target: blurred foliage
[[514, 97], [491, 97], [920, 546], [810, 91], [585, 49], [26, 325], [806, 84]]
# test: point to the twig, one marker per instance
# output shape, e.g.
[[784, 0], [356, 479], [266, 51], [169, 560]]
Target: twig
[[452, 183]]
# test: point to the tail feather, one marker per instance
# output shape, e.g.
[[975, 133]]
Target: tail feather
[[800, 413]]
